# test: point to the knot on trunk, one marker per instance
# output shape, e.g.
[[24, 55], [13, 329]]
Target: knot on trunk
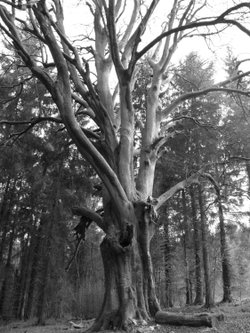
[[145, 211], [127, 236]]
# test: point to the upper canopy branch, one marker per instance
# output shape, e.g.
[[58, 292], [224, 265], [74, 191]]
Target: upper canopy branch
[[221, 19], [114, 48], [217, 87], [61, 92]]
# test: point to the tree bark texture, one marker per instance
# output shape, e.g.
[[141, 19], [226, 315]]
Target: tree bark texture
[[197, 250], [204, 231], [194, 320], [168, 263], [186, 246], [129, 286], [225, 256]]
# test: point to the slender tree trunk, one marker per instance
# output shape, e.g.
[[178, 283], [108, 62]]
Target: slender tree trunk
[[44, 269], [248, 175], [24, 278], [7, 291], [168, 263], [186, 240], [208, 297], [5, 213], [225, 257], [197, 249], [35, 259]]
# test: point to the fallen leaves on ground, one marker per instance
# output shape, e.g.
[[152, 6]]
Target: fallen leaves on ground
[[237, 320]]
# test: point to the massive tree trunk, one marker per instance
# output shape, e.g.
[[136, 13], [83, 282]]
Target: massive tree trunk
[[120, 299], [129, 285], [197, 250]]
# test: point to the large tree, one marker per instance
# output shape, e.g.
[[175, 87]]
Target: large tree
[[82, 90]]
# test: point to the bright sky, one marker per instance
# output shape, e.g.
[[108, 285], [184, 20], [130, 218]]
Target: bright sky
[[217, 50]]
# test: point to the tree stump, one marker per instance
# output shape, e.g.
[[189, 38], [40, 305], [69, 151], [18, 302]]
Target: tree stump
[[195, 320]]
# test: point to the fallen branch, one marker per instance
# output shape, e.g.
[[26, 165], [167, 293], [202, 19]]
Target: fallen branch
[[195, 320]]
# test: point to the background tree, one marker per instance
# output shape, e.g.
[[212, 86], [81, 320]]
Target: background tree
[[106, 139]]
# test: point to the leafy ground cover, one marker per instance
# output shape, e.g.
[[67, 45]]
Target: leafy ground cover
[[236, 320]]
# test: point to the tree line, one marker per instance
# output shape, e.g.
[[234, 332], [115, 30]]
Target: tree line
[[165, 157]]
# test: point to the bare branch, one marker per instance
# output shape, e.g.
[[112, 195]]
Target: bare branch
[[193, 179], [90, 214], [114, 48], [217, 87], [209, 22]]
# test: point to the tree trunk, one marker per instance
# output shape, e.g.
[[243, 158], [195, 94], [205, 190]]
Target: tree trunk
[[129, 284], [120, 299], [248, 176], [168, 263], [208, 297], [225, 257], [197, 249], [186, 239], [34, 257], [5, 213], [7, 290], [22, 280], [44, 270]]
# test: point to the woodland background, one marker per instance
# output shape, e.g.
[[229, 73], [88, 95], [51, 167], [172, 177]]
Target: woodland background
[[38, 188], [51, 267]]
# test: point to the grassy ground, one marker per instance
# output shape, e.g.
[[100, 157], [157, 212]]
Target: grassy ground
[[237, 320]]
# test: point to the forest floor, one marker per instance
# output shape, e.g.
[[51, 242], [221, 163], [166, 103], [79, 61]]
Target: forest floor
[[236, 320]]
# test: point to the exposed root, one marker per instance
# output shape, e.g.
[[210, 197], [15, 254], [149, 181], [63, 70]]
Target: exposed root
[[115, 321]]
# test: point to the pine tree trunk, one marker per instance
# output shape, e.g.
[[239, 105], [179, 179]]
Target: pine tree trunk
[[24, 279], [225, 257], [7, 290], [5, 213], [197, 249], [168, 263], [44, 271], [186, 238], [208, 296], [34, 258], [248, 176]]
